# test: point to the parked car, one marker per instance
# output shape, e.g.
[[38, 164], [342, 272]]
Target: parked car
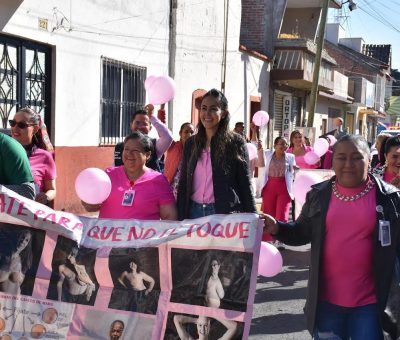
[[393, 132]]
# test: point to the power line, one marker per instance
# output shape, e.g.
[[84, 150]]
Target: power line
[[377, 16]]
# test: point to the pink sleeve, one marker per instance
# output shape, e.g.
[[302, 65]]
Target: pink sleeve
[[164, 191], [165, 140], [51, 172], [308, 148]]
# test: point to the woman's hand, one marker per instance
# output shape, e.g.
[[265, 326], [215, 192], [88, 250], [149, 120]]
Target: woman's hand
[[270, 225], [150, 109], [41, 197], [91, 207]]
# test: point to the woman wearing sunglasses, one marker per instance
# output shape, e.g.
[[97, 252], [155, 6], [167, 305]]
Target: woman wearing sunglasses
[[26, 129]]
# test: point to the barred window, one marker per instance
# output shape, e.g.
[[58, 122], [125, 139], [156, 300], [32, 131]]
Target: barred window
[[25, 73], [122, 94]]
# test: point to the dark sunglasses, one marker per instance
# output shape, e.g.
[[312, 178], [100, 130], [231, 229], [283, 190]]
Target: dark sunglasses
[[21, 125]]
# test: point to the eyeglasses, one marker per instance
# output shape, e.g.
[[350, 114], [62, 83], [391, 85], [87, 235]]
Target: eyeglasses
[[21, 125]]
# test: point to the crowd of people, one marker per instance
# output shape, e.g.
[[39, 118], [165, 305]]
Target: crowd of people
[[352, 220]]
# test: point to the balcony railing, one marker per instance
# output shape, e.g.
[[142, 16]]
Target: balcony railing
[[296, 68]]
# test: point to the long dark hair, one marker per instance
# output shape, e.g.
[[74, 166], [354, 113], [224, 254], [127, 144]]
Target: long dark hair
[[9, 245], [223, 137], [292, 135], [40, 139]]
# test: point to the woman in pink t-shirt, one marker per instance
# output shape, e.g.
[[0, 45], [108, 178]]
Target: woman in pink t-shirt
[[390, 171], [137, 192], [353, 224], [299, 149], [28, 129]]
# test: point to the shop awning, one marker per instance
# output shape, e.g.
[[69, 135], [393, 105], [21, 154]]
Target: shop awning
[[378, 114], [394, 106]]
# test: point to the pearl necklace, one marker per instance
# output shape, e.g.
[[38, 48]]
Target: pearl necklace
[[338, 195]]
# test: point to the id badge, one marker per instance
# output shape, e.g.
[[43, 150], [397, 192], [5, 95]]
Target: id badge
[[384, 233], [127, 199]]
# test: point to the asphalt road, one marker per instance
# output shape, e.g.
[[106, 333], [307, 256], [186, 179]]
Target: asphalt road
[[279, 301]]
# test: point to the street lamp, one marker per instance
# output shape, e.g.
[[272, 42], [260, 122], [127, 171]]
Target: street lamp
[[352, 4]]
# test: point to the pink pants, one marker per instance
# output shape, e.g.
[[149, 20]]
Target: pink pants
[[275, 201]]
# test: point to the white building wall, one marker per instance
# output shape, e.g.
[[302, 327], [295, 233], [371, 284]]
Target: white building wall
[[200, 38], [321, 112], [135, 32]]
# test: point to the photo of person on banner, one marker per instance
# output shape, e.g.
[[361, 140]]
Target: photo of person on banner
[[111, 325], [136, 278], [212, 278], [191, 327], [18, 263], [73, 279], [116, 330]]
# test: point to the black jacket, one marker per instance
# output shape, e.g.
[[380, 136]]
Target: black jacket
[[232, 187], [310, 227]]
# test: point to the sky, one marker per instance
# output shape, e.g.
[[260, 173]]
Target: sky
[[376, 21]]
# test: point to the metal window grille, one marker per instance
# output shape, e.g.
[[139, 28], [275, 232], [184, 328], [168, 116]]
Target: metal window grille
[[25, 73], [122, 94]]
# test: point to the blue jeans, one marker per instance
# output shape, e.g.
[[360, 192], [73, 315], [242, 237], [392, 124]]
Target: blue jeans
[[343, 323], [200, 210]]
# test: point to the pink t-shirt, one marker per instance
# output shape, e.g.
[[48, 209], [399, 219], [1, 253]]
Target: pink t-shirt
[[151, 190], [43, 167], [347, 272], [203, 187], [300, 162]]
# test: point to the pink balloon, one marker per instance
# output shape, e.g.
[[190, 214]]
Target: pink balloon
[[260, 118], [270, 261], [252, 150], [302, 185], [162, 90], [149, 81], [93, 185], [332, 139], [321, 146], [311, 157]]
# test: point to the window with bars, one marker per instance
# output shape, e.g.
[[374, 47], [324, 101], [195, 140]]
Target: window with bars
[[25, 73], [122, 94]]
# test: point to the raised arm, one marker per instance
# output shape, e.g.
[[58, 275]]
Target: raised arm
[[230, 326], [179, 321], [165, 140], [220, 290]]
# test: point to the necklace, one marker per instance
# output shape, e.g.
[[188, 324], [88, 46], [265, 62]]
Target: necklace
[[352, 198]]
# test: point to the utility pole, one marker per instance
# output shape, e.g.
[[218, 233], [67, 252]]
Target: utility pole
[[317, 63], [225, 47]]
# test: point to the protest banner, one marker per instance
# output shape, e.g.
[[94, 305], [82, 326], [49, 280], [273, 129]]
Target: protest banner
[[64, 276]]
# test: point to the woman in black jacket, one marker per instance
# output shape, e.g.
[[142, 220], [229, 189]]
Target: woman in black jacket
[[352, 222], [215, 174]]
